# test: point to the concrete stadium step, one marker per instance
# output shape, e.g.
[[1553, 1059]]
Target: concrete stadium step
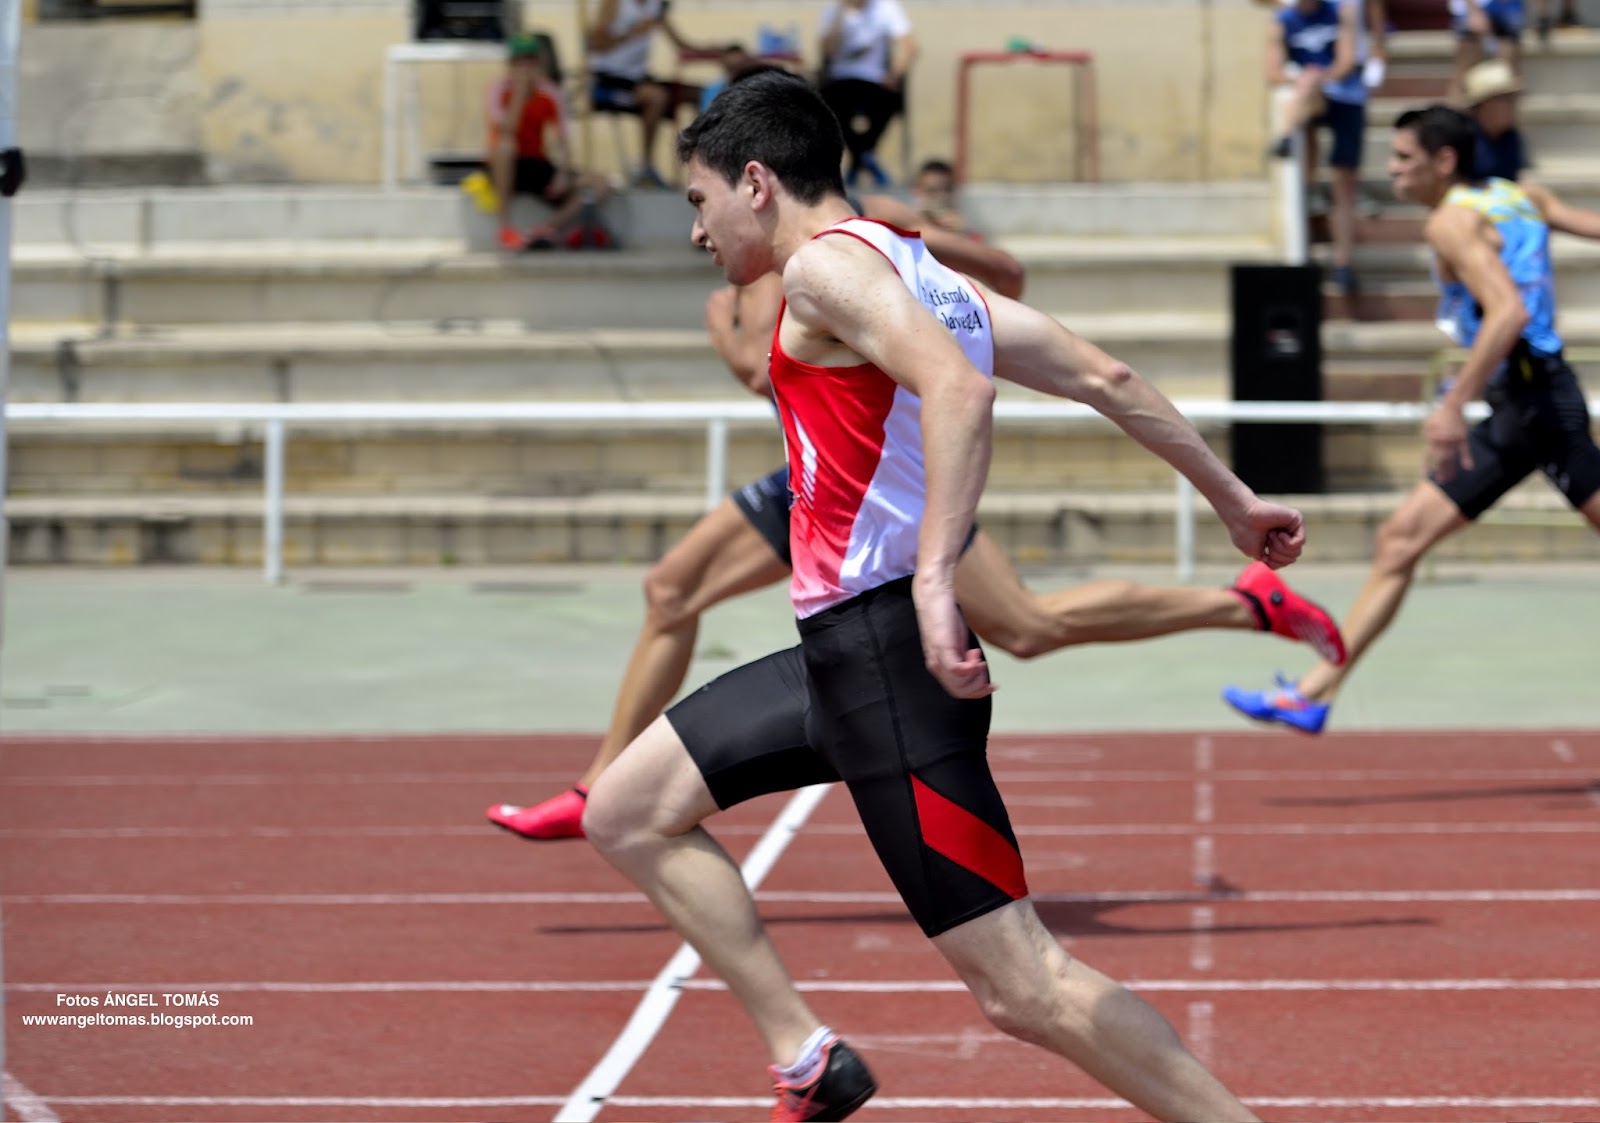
[[1573, 177], [1062, 527], [1187, 356], [125, 221], [240, 283], [1381, 300], [1552, 123], [1576, 261], [1568, 65]]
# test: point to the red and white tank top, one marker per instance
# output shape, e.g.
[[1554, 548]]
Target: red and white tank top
[[854, 438]]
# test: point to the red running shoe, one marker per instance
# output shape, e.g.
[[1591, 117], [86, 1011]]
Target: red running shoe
[[1281, 610], [558, 817], [843, 1085]]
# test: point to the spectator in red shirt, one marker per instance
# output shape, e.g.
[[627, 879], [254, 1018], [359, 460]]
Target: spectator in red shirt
[[528, 152]]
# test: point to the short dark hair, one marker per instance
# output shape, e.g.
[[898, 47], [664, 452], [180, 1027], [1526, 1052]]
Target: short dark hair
[[778, 119], [937, 167], [1441, 126]]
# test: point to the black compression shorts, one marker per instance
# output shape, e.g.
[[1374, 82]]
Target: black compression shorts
[[765, 503], [855, 702], [1539, 421]]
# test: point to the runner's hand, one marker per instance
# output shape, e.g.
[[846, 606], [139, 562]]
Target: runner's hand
[[1267, 532], [1446, 434], [960, 669]]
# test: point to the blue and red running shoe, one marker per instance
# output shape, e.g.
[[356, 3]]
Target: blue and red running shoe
[[1285, 705], [1282, 611]]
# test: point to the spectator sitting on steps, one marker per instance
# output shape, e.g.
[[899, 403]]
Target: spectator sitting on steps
[[525, 112]]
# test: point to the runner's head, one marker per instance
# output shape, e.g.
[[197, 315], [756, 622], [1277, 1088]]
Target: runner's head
[[767, 138]]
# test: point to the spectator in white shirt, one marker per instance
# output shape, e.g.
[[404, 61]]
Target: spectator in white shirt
[[867, 49]]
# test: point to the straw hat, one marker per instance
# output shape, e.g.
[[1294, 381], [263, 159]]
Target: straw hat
[[1490, 79]]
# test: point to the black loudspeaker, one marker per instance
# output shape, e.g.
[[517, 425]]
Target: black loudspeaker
[[490, 20], [1277, 357]]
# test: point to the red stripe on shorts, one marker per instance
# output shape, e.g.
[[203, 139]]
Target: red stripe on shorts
[[969, 842]]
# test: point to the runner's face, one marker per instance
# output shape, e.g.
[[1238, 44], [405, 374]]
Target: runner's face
[[1411, 170], [725, 224]]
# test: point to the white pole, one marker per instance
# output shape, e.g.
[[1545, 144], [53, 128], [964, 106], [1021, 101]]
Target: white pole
[[1183, 516], [390, 131], [1290, 179], [10, 33], [272, 512], [716, 460]]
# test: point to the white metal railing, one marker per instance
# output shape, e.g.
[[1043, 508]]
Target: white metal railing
[[717, 418]]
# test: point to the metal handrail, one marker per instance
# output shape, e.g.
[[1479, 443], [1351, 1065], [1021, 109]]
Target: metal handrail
[[717, 417]]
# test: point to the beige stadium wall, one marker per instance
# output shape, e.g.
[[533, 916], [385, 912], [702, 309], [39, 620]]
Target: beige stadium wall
[[291, 90]]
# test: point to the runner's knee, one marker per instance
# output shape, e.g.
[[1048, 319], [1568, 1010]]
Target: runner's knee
[[666, 598], [1029, 1013], [1400, 543]]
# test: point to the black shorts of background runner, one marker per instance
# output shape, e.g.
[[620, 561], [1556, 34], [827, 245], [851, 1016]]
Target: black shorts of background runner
[[855, 702], [765, 503], [1538, 421]]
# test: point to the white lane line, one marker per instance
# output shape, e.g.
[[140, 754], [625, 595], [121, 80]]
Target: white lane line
[[1203, 864], [979, 1105], [1064, 775], [819, 986], [1132, 897], [304, 1101], [1563, 751], [850, 830], [1289, 829], [1201, 1035], [1262, 775], [963, 1045], [121, 834], [289, 777], [587, 1099], [29, 1107], [1202, 919]]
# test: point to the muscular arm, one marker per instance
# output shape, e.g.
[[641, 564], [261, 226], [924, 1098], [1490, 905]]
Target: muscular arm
[[842, 292], [994, 267], [677, 38], [846, 303], [739, 322], [1344, 51], [1034, 350], [1461, 238], [1563, 216], [1377, 16], [599, 36], [1277, 54], [900, 60], [832, 32]]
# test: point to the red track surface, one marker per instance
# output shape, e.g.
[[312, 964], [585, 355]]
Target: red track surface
[[1358, 927]]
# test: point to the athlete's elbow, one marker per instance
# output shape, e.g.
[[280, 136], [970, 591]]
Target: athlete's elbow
[[1105, 383], [980, 393], [1008, 277]]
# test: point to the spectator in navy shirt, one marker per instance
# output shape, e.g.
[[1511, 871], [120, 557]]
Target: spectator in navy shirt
[[1492, 93]]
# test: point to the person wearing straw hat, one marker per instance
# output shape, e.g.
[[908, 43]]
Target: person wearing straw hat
[[1485, 28], [1493, 93]]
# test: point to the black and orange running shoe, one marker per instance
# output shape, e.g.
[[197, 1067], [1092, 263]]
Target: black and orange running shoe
[[843, 1085]]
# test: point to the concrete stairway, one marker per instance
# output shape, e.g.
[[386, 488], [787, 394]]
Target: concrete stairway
[[337, 295]]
